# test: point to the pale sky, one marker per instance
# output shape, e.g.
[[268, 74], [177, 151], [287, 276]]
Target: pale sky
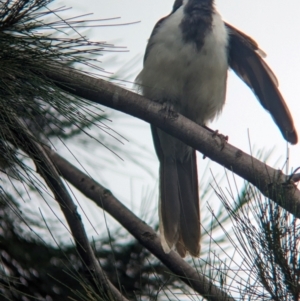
[[273, 24]]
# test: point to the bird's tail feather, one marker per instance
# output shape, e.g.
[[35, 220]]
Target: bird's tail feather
[[169, 204], [179, 206], [189, 205]]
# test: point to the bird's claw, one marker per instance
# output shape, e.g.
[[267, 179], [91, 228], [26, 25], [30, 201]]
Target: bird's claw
[[168, 109], [224, 139]]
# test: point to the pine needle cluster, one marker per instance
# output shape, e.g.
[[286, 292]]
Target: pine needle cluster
[[34, 38]]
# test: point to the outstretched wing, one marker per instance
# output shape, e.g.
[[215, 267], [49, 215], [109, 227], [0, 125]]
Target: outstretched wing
[[245, 58]]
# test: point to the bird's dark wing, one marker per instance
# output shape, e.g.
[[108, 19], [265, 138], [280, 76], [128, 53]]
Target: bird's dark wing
[[245, 58]]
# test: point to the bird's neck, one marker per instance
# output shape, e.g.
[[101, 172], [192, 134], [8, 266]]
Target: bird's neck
[[198, 5], [197, 20], [194, 5]]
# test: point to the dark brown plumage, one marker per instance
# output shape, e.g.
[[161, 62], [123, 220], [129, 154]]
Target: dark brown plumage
[[248, 64]]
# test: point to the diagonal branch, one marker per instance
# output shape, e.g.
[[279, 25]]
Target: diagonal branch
[[93, 272], [139, 229], [272, 183]]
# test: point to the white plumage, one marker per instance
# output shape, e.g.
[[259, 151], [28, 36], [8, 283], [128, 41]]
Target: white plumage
[[193, 81]]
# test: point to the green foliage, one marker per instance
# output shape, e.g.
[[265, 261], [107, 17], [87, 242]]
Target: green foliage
[[268, 242], [31, 267], [33, 38]]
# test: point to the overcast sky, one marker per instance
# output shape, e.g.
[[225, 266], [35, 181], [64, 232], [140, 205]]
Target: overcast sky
[[273, 24]]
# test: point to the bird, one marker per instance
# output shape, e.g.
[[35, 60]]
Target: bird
[[185, 68]]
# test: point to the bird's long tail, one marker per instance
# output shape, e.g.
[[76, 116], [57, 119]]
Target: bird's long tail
[[179, 202]]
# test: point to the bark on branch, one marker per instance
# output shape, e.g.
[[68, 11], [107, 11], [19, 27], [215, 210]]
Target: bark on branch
[[21, 137], [140, 230], [272, 183]]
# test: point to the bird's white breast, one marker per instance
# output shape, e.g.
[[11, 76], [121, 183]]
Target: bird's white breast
[[176, 72]]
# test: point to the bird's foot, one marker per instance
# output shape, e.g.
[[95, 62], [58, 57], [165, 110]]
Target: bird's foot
[[224, 139], [168, 109]]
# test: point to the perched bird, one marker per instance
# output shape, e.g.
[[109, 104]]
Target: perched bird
[[185, 67]]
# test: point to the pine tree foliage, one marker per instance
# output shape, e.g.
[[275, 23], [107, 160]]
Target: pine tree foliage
[[267, 239], [33, 39], [34, 269]]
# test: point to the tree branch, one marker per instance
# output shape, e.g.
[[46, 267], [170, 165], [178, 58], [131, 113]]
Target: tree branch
[[93, 272], [139, 229], [272, 183]]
